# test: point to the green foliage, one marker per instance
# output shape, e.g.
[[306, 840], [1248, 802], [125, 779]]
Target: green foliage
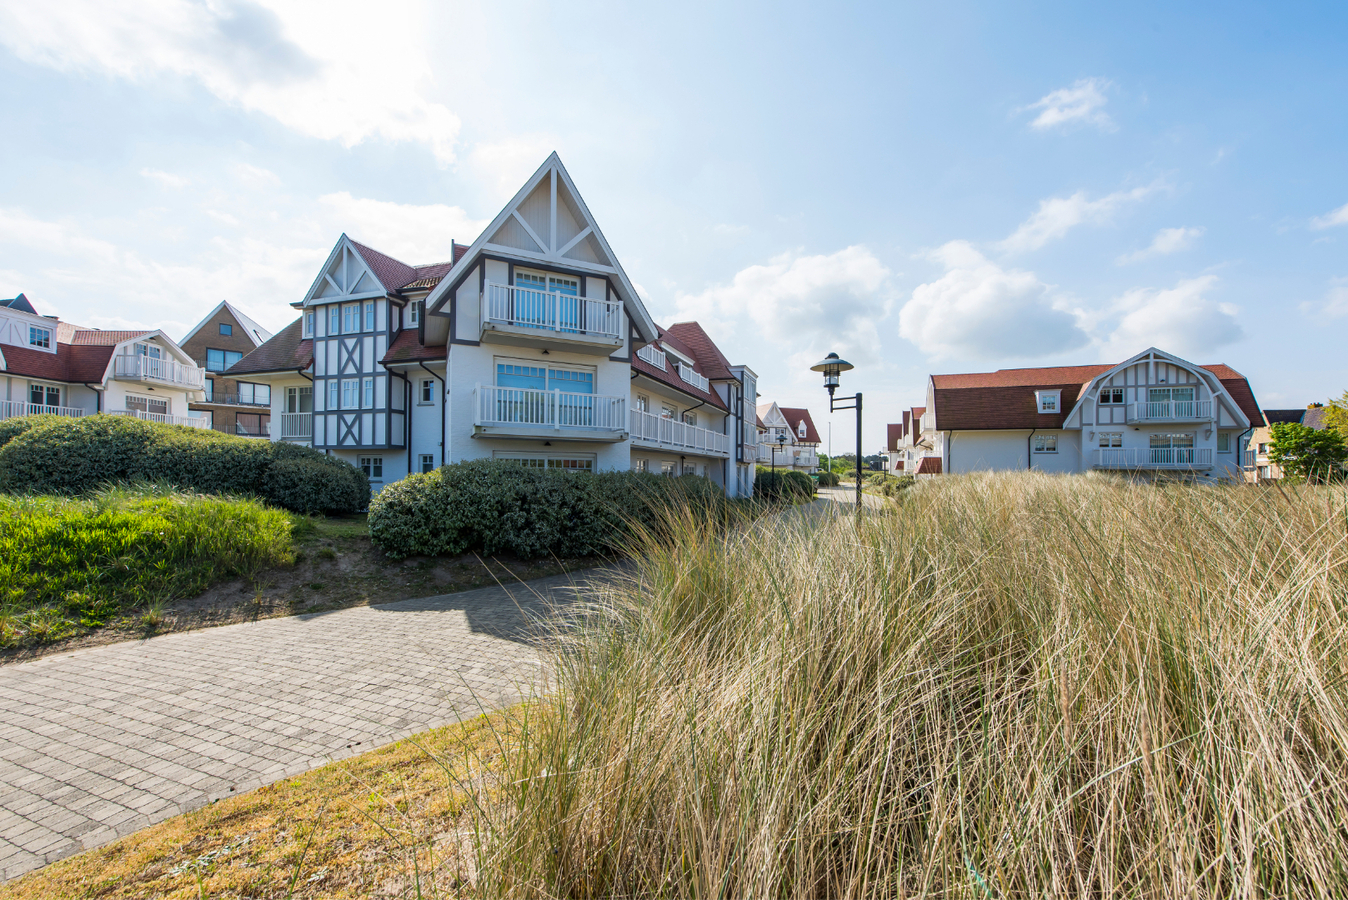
[[73, 456], [1305, 454], [828, 479], [68, 565], [495, 506], [1336, 415], [782, 485], [11, 428]]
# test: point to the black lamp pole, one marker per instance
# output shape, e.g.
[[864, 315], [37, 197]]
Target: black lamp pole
[[832, 367]]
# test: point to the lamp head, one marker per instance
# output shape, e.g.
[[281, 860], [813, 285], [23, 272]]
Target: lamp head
[[781, 439], [832, 367]]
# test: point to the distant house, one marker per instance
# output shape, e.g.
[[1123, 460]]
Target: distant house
[[1258, 466], [787, 437], [905, 446], [52, 367], [217, 342], [1154, 415]]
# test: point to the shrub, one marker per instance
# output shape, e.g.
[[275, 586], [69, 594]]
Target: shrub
[[782, 485], [828, 479], [67, 565], [11, 428], [495, 506], [73, 456]]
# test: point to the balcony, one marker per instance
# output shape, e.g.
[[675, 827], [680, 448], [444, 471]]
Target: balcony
[[654, 356], [650, 430], [163, 418], [1171, 411], [297, 426], [236, 400], [160, 371], [10, 409], [526, 317], [532, 414], [1183, 458]]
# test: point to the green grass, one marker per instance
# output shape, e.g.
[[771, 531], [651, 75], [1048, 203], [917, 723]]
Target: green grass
[[71, 565], [1008, 685]]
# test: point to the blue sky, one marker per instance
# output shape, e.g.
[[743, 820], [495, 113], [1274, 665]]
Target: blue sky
[[920, 187]]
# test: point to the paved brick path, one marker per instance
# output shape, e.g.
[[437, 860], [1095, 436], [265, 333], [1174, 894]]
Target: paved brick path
[[100, 742]]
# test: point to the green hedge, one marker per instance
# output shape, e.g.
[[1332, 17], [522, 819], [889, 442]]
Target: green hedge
[[828, 479], [67, 565], [74, 456], [495, 506], [782, 485]]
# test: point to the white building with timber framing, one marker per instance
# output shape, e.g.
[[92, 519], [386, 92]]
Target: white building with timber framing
[[528, 344]]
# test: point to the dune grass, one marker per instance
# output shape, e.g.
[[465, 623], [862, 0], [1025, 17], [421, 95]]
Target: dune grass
[[1008, 686], [68, 565]]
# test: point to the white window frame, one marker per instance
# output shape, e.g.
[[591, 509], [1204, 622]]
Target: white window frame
[[667, 468], [643, 403], [146, 401], [801, 429], [1045, 443], [690, 418], [309, 324], [368, 465], [334, 320], [46, 388], [641, 465], [536, 460], [414, 312], [334, 394], [367, 393], [39, 337], [350, 393], [426, 396], [1224, 437], [1109, 392], [367, 319], [1110, 440], [1049, 403], [426, 462]]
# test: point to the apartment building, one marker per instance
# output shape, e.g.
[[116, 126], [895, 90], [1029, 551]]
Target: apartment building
[[52, 367], [529, 344], [787, 438], [217, 342], [1258, 465], [1152, 416]]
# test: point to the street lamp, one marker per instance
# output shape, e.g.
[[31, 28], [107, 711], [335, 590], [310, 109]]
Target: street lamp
[[832, 367], [781, 445]]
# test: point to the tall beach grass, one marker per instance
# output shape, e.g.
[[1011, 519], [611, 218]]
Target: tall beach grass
[[1010, 686]]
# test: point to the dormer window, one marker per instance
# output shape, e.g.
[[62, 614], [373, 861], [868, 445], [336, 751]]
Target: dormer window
[[1049, 402], [309, 324], [800, 429], [39, 337]]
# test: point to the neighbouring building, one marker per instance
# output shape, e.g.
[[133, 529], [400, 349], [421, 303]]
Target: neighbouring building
[[52, 367], [1154, 415], [787, 436], [530, 344], [1258, 466], [218, 341], [905, 445]]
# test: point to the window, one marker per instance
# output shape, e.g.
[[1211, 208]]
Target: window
[[427, 462], [1111, 439], [332, 395], [226, 330], [39, 337], [690, 418], [350, 393], [644, 405], [1223, 442], [373, 467], [299, 400], [578, 463], [256, 394], [1172, 449], [351, 318], [1111, 395], [367, 394], [1047, 401], [1045, 443], [251, 424], [216, 360], [369, 315], [147, 404], [44, 395], [1263, 448], [689, 469], [414, 312], [427, 390], [308, 324], [571, 381], [667, 468], [571, 464], [641, 465], [1263, 473], [210, 389], [669, 412], [334, 322], [209, 416], [800, 429]]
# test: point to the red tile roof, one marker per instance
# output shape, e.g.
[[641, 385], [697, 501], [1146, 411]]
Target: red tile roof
[[94, 337], [702, 348], [73, 364], [285, 352], [794, 416], [397, 275], [670, 376], [893, 434], [907, 423], [929, 465], [408, 348]]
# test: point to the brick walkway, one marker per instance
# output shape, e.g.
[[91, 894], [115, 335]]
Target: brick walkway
[[101, 742]]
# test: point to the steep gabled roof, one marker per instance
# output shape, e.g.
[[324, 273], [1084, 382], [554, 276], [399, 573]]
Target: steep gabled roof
[[893, 434], [1283, 415], [392, 273], [670, 374], [255, 332], [794, 416], [702, 348], [19, 304], [287, 351]]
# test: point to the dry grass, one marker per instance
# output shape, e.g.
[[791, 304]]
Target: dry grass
[[1011, 686], [392, 823]]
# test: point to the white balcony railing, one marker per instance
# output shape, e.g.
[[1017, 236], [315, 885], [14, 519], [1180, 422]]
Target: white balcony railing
[[696, 380], [807, 459], [166, 371], [10, 409], [652, 355], [297, 426], [559, 410], [666, 432], [1170, 411], [1154, 458], [163, 418], [505, 304]]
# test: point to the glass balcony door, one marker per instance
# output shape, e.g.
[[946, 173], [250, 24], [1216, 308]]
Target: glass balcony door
[[1172, 449]]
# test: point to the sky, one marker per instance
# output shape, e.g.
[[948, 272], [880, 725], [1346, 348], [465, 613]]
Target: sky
[[921, 188]]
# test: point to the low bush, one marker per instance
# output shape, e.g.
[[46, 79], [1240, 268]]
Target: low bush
[[67, 565], [782, 485], [897, 485], [828, 479], [74, 456], [495, 506], [11, 428]]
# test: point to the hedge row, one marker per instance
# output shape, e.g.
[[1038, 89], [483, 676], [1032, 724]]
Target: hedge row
[[782, 485], [53, 455], [828, 479], [495, 506]]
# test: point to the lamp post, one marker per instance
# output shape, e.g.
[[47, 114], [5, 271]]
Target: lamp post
[[781, 445], [832, 367]]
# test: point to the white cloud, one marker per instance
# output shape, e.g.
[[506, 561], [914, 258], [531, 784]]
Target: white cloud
[[165, 179], [1167, 241], [1058, 215], [1180, 320], [255, 176], [309, 66], [978, 310], [1084, 102], [411, 233], [1330, 219], [503, 166], [1335, 304], [804, 306]]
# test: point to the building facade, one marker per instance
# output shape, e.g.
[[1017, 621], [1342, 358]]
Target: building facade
[[530, 344], [218, 341], [787, 438], [1152, 416], [1258, 465], [56, 368]]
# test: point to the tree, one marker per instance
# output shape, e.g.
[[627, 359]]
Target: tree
[[1305, 454], [1336, 415]]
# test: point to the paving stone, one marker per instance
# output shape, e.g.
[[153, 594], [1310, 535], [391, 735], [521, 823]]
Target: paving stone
[[99, 742]]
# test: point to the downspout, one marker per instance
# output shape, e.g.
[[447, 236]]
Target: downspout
[[949, 438], [98, 397], [442, 407], [1029, 449], [1240, 441]]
